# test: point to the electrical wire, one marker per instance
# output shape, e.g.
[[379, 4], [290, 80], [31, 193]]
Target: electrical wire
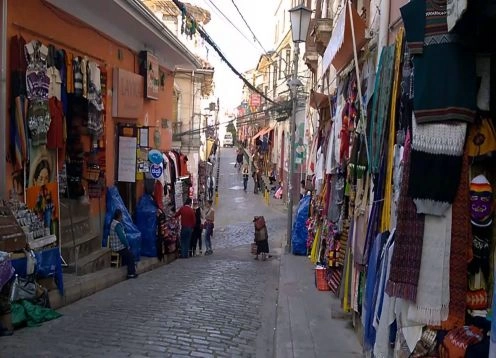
[[209, 40], [229, 20], [248, 26]]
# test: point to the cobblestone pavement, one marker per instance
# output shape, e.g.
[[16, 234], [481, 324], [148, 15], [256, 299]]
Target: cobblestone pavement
[[221, 305]]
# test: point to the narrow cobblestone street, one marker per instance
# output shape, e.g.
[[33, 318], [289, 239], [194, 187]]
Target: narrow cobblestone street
[[221, 305]]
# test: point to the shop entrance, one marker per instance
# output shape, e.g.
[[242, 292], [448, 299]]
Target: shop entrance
[[125, 164]]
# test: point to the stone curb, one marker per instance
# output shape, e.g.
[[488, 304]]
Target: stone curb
[[86, 285]]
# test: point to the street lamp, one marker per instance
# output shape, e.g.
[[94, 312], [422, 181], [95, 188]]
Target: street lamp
[[300, 20]]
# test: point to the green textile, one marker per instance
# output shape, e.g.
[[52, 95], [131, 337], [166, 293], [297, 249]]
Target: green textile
[[119, 230], [444, 71], [26, 313], [380, 107]]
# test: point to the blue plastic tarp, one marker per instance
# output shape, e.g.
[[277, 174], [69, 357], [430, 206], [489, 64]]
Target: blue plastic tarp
[[299, 234], [48, 264], [146, 221], [133, 235]]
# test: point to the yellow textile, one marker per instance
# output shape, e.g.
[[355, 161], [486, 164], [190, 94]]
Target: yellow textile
[[388, 190], [346, 302], [314, 255]]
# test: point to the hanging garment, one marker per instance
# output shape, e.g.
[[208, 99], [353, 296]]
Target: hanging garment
[[386, 317], [405, 263], [368, 306], [442, 65], [432, 303], [380, 107], [460, 239], [437, 153]]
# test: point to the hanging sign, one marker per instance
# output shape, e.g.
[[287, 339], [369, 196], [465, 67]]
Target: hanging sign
[[127, 100], [156, 171], [126, 169], [155, 156]]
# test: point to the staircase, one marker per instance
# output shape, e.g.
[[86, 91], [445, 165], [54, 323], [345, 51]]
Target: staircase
[[80, 242]]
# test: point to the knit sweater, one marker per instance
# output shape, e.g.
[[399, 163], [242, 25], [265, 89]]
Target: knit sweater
[[436, 162]]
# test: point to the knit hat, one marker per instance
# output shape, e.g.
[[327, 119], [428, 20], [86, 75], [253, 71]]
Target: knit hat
[[481, 201]]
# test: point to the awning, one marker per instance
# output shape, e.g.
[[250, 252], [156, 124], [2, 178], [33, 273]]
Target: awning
[[339, 52], [318, 100], [262, 132]]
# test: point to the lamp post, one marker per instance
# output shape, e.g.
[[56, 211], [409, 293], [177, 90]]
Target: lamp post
[[300, 20]]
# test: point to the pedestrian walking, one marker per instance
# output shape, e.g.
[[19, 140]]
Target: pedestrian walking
[[187, 215], [255, 181], [245, 177], [239, 160], [210, 186], [196, 236], [120, 244], [209, 227], [261, 237]]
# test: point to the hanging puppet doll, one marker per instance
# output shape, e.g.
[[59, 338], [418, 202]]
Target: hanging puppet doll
[[481, 212]]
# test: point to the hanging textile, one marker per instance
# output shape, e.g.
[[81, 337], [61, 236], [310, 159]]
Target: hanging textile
[[388, 191], [380, 107], [460, 239], [405, 263], [441, 65]]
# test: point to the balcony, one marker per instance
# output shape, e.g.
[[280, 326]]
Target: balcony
[[311, 56], [322, 34], [176, 131]]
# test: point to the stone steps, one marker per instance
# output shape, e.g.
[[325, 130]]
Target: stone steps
[[96, 261]]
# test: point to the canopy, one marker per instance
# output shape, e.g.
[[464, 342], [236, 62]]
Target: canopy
[[339, 52], [318, 100], [262, 132]]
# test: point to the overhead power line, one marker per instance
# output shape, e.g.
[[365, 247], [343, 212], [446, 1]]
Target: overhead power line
[[248, 26], [229, 20], [211, 42]]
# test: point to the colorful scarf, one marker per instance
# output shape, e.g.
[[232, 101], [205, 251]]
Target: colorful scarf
[[405, 263]]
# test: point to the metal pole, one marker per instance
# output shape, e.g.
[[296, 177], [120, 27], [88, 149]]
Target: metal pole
[[292, 125]]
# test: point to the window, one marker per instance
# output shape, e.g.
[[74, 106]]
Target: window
[[288, 62], [274, 80], [280, 66]]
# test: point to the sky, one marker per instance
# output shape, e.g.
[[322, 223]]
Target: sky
[[243, 53]]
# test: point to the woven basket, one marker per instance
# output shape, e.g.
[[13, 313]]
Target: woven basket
[[320, 279]]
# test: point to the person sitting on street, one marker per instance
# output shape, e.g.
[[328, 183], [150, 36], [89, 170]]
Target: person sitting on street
[[120, 244], [209, 227]]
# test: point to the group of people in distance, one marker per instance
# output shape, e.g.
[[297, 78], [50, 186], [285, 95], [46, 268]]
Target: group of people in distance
[[195, 220]]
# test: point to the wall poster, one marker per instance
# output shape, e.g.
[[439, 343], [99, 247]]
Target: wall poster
[[126, 170]]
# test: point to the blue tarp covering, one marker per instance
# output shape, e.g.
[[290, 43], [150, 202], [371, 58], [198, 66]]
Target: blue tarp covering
[[114, 201], [48, 264], [299, 234], [146, 221]]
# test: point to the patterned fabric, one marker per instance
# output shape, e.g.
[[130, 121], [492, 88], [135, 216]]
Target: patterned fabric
[[460, 237], [477, 300], [407, 255], [441, 64], [455, 343], [437, 153], [115, 243]]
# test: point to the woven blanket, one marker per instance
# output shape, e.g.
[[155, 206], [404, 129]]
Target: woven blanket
[[407, 254], [460, 244], [432, 304]]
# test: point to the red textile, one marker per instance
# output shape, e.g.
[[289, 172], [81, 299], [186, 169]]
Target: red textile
[[158, 194], [187, 215], [460, 236], [407, 253], [55, 135]]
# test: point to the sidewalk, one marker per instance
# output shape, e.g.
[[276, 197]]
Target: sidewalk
[[305, 327]]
